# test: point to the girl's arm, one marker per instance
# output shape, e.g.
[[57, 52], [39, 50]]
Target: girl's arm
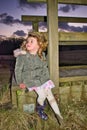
[[45, 72], [18, 69]]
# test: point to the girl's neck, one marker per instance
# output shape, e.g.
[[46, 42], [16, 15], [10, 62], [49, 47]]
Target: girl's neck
[[33, 52]]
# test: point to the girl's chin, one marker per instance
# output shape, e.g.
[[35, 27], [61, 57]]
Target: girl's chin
[[29, 49]]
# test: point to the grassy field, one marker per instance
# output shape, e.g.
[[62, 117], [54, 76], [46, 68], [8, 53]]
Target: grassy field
[[4, 84], [75, 118]]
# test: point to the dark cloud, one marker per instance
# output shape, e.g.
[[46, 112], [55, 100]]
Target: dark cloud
[[74, 7], [42, 28], [76, 29], [26, 23], [35, 5], [2, 16], [7, 19], [67, 27], [85, 28], [19, 33], [43, 24], [64, 25], [2, 36], [10, 20], [67, 8]]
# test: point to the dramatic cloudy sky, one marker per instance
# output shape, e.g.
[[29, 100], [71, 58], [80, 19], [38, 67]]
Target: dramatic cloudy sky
[[11, 11]]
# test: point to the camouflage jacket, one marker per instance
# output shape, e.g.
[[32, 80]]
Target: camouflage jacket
[[31, 70]]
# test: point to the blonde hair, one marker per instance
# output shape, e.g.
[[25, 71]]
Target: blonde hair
[[41, 40]]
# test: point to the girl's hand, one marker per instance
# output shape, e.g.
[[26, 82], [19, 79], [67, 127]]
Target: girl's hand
[[22, 86]]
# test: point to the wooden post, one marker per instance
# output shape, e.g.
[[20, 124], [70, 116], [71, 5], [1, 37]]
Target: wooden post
[[35, 26], [53, 51]]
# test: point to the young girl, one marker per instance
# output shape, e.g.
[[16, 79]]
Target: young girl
[[31, 71]]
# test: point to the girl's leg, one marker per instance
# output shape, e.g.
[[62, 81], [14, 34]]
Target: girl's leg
[[54, 105], [41, 96], [41, 104]]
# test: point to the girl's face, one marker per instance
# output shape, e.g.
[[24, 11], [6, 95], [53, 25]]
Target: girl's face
[[32, 45]]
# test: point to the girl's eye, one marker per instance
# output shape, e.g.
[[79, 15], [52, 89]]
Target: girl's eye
[[31, 41], [27, 41]]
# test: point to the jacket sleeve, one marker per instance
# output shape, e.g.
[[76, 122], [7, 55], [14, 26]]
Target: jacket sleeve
[[45, 72], [18, 69]]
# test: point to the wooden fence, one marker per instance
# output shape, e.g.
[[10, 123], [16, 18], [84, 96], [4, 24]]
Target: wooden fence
[[70, 89]]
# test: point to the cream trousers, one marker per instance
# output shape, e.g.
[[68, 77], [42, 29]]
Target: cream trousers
[[43, 94]]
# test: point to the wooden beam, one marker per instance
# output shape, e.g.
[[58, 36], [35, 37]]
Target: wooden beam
[[74, 78], [39, 1], [27, 18], [73, 19], [73, 36], [80, 2], [72, 43], [35, 26], [53, 51]]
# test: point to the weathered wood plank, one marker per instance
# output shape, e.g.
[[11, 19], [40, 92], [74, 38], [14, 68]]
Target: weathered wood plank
[[73, 43], [73, 36], [82, 2], [74, 78], [72, 19], [53, 50], [73, 67], [27, 18]]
